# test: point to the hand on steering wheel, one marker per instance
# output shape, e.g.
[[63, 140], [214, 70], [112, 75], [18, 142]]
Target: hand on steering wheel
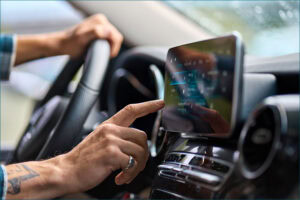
[[48, 133], [75, 40]]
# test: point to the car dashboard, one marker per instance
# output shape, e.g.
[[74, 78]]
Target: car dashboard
[[260, 160]]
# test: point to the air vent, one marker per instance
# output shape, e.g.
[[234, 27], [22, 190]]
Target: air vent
[[259, 141], [270, 136], [269, 148]]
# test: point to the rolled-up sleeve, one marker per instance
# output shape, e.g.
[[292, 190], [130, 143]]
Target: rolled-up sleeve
[[3, 182], [7, 55]]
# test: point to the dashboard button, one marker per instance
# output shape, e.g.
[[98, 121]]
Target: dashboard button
[[165, 167], [203, 177], [176, 169], [202, 162], [175, 158], [172, 158]]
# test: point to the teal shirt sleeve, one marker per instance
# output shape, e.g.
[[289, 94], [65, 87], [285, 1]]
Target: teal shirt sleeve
[[7, 55], [3, 182]]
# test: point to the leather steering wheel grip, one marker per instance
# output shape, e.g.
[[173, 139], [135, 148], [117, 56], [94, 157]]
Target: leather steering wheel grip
[[62, 137]]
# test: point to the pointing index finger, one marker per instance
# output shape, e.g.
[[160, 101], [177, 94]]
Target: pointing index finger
[[130, 113]]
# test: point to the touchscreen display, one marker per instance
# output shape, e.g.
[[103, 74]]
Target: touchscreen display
[[199, 87]]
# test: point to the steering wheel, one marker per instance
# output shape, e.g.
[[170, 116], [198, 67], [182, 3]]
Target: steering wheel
[[57, 121]]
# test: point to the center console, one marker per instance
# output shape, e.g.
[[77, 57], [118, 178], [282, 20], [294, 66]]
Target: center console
[[203, 85], [192, 170], [214, 142]]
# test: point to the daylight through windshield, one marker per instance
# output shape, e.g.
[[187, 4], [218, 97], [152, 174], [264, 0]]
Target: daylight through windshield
[[269, 28]]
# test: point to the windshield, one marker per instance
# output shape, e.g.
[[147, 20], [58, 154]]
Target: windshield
[[268, 28]]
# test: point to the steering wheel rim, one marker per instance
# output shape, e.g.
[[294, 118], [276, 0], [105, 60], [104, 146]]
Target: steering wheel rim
[[63, 135]]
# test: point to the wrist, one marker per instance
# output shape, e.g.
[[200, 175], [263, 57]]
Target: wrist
[[53, 43], [66, 177], [60, 177], [31, 47], [37, 179]]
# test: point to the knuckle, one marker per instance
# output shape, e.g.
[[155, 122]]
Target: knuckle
[[120, 38], [130, 108], [144, 136], [95, 30], [141, 153], [108, 140], [112, 151], [107, 128], [101, 17]]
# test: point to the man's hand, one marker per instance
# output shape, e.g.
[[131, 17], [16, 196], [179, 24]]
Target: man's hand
[[103, 151], [73, 41], [108, 149]]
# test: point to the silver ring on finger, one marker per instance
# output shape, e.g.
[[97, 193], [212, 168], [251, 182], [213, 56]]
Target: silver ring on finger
[[130, 164]]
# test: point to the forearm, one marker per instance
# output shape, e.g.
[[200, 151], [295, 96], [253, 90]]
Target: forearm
[[36, 180], [30, 47]]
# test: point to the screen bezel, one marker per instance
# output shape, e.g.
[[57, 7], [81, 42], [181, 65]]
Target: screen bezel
[[237, 88]]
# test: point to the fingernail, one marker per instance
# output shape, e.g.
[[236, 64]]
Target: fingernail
[[160, 102]]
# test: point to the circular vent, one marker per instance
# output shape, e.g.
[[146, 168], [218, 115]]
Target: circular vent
[[259, 141], [269, 149]]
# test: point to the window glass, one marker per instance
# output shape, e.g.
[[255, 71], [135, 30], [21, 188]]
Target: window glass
[[269, 28]]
